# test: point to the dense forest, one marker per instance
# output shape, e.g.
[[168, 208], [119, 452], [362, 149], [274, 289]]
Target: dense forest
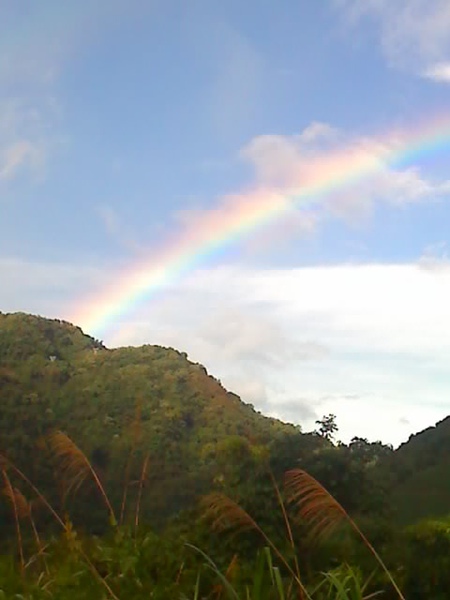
[[132, 473]]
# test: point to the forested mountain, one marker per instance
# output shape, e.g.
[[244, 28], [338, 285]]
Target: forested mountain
[[420, 473], [160, 436], [123, 405], [113, 403]]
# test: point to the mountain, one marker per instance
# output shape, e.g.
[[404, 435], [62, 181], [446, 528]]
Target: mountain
[[420, 474], [150, 411], [120, 405]]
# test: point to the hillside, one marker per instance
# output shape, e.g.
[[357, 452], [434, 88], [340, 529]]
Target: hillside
[[117, 403], [420, 470], [123, 405]]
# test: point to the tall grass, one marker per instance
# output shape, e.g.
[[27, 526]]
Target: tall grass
[[277, 574], [76, 467], [65, 525], [15, 500], [142, 479], [312, 505], [323, 513]]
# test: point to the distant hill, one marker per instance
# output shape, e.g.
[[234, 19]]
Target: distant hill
[[420, 474]]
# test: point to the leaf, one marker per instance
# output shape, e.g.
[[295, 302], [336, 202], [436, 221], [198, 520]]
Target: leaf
[[210, 564]]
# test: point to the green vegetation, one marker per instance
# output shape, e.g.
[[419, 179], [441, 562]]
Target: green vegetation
[[132, 473], [120, 405]]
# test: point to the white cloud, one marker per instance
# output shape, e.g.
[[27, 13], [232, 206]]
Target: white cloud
[[28, 134], [281, 160], [301, 180], [413, 33], [287, 164], [435, 257], [370, 343], [317, 131], [29, 112], [439, 72], [246, 336]]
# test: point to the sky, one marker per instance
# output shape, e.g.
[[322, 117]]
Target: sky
[[263, 185]]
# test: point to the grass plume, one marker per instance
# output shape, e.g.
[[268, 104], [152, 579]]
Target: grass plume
[[76, 467], [323, 513], [142, 479], [24, 510], [18, 509], [226, 514], [315, 505], [6, 463]]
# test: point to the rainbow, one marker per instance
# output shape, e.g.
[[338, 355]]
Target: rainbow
[[235, 216]]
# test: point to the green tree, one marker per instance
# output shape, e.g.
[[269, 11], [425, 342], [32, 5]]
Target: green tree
[[327, 427]]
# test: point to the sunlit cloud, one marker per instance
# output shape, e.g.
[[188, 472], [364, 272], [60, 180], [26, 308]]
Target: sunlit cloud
[[439, 72]]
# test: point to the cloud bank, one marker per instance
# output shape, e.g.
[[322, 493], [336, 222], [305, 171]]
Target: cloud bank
[[367, 342]]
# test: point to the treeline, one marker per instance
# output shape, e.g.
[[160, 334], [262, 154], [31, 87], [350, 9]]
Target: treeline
[[259, 534]]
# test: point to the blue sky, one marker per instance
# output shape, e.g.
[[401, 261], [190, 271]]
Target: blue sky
[[121, 122]]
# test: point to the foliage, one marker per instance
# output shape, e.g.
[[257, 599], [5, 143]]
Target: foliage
[[120, 406], [105, 453], [427, 567], [419, 470], [327, 426]]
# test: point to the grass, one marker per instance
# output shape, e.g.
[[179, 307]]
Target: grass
[[276, 574], [313, 505]]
